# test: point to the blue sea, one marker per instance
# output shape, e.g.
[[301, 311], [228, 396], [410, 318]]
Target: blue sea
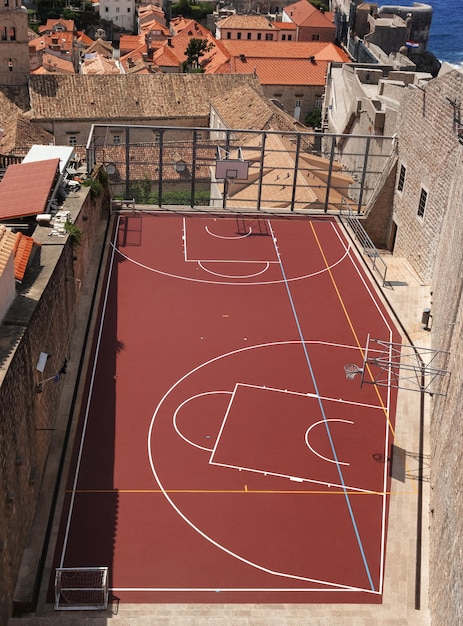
[[446, 36]]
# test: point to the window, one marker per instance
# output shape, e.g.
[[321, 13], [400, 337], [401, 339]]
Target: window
[[298, 103], [4, 33], [106, 9], [290, 37], [283, 37], [249, 35], [72, 140], [422, 204], [117, 140], [318, 102], [229, 35], [401, 183], [238, 35], [259, 35], [315, 37], [128, 9], [268, 36], [117, 9]]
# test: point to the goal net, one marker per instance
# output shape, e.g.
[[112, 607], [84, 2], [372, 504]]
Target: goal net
[[81, 588]]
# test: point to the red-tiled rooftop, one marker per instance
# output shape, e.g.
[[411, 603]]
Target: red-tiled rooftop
[[282, 71], [22, 252], [20, 199]]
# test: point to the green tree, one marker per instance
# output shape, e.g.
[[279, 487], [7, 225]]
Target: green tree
[[195, 50]]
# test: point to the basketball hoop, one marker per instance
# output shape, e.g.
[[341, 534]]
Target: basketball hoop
[[351, 370]]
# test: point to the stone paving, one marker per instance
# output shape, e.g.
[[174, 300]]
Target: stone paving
[[405, 599]]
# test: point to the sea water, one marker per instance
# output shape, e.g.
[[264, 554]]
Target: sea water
[[446, 36]]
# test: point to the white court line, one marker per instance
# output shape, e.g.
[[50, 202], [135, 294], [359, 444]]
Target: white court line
[[168, 496], [209, 232], [230, 282], [87, 407], [347, 589], [114, 248], [189, 259], [266, 472], [262, 271], [367, 286], [325, 458], [198, 395], [322, 411]]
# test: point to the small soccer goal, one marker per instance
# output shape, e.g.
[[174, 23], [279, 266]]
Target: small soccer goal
[[81, 589]]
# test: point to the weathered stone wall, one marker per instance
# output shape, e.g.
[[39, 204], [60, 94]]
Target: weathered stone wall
[[446, 519], [39, 320], [433, 156], [429, 148]]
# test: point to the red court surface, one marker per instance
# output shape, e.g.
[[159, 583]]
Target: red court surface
[[222, 455]]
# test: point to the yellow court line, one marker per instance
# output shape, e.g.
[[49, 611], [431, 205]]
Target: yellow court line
[[351, 326], [333, 491]]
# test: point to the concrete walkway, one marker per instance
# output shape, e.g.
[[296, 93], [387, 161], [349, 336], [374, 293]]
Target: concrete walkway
[[406, 573]]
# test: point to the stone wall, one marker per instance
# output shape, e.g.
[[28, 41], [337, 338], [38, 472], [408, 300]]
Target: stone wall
[[429, 149], [446, 518], [39, 320], [433, 157]]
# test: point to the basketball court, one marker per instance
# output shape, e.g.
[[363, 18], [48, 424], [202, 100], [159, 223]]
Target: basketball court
[[225, 453]]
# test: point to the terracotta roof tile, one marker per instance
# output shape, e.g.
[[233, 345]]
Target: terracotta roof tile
[[7, 244], [244, 108], [303, 13], [52, 24], [276, 49], [99, 65], [247, 22], [56, 65], [138, 97], [16, 199], [84, 39], [128, 43], [23, 250], [18, 131], [100, 46], [283, 71]]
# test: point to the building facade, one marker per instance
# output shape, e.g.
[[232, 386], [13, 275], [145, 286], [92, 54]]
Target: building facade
[[14, 48]]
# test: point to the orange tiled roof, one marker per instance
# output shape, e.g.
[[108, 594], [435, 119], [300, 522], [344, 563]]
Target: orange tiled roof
[[22, 253], [332, 53], [180, 24], [286, 26], [61, 41], [51, 24], [7, 244], [166, 57], [84, 39], [303, 13], [178, 44], [281, 49], [16, 199], [52, 64], [154, 25], [151, 9], [128, 43], [282, 71]]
